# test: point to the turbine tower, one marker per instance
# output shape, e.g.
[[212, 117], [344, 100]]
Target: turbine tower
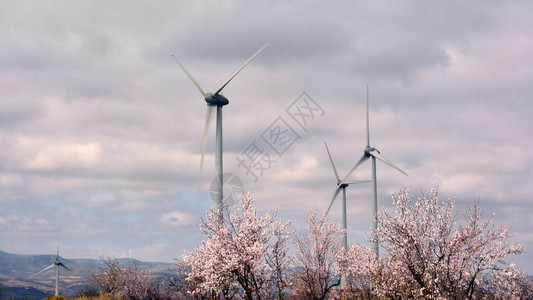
[[57, 263], [341, 185], [371, 152], [216, 100]]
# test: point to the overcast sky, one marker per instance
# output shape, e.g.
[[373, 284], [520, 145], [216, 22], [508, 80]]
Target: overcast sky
[[101, 131]]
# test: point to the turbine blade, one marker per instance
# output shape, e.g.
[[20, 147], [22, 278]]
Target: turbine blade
[[367, 122], [43, 270], [361, 160], [337, 191], [190, 76], [209, 114], [376, 154], [61, 264], [239, 69], [332, 164], [356, 181]]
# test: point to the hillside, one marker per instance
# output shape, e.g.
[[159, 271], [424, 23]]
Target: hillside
[[15, 270]]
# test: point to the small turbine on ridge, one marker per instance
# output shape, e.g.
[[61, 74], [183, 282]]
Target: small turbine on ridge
[[216, 100], [57, 263]]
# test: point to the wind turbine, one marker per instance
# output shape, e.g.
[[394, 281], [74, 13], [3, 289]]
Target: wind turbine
[[341, 185], [371, 152], [57, 263], [216, 100]]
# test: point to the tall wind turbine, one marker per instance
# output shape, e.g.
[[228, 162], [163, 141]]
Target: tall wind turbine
[[341, 185], [57, 263], [371, 152], [216, 100]]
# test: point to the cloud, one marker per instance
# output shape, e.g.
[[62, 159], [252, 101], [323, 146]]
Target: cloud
[[65, 156], [176, 219]]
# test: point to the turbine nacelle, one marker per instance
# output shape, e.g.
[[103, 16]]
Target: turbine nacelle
[[368, 151], [216, 99], [341, 185]]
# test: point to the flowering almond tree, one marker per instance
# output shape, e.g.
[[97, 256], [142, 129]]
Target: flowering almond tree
[[234, 256], [431, 255], [114, 281], [361, 269], [315, 258], [279, 260]]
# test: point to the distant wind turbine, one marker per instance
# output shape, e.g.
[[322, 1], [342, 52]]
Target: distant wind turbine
[[57, 263], [217, 100], [341, 185], [373, 153]]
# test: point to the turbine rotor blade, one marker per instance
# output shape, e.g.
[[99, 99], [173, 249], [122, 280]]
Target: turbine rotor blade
[[332, 164], [376, 154], [61, 264], [367, 122], [209, 115], [45, 269], [361, 160], [190, 76], [356, 181], [240, 69], [335, 194]]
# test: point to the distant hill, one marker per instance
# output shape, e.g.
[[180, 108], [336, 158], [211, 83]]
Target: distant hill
[[15, 270], [18, 292]]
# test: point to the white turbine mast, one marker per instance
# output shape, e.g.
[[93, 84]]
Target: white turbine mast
[[216, 100]]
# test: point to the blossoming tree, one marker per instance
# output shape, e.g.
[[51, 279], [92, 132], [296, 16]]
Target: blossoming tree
[[240, 254], [431, 255], [315, 258]]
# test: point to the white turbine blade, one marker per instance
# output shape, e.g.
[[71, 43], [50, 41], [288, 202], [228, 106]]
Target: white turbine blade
[[361, 160], [190, 76], [239, 69], [332, 164], [376, 154], [356, 181], [367, 122], [45, 269], [209, 115], [337, 191]]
